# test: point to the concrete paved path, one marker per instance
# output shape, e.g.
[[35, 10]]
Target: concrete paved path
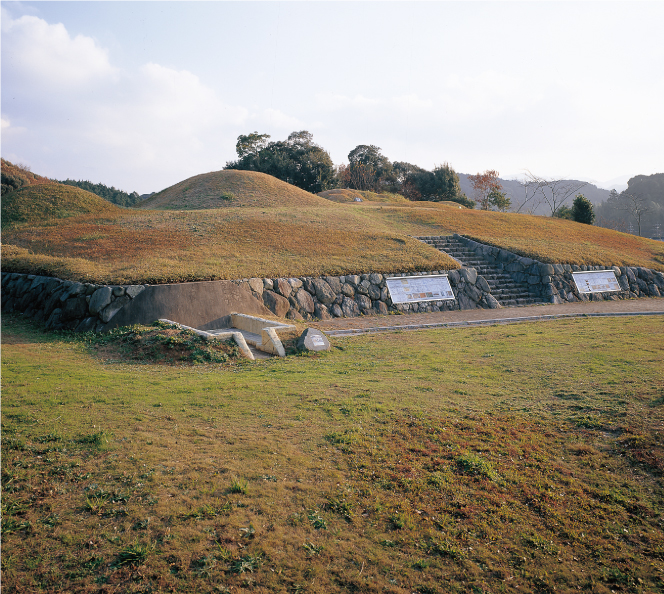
[[475, 317]]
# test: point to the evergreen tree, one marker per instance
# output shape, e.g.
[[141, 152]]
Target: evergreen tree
[[582, 210]]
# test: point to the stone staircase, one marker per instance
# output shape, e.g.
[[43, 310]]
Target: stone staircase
[[504, 288]]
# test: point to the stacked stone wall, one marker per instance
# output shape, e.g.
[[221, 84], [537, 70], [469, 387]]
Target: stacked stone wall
[[88, 307], [555, 283], [64, 304], [353, 295]]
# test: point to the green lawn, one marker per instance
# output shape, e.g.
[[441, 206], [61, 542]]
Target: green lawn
[[522, 458]]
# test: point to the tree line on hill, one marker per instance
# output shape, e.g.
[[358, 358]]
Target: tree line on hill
[[111, 194], [303, 163], [300, 161], [15, 177]]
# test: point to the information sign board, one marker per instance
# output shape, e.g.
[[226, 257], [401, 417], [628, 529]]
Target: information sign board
[[409, 289], [596, 281]]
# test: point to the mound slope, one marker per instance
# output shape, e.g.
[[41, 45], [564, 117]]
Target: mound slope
[[229, 188], [40, 203], [346, 195]]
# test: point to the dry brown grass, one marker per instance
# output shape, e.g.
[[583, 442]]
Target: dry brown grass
[[346, 195], [230, 188], [21, 172], [277, 238], [160, 247], [545, 238], [47, 203]]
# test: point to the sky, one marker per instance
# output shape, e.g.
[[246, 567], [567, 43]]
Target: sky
[[142, 95]]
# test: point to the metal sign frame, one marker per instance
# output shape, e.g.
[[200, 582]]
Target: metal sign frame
[[605, 281], [413, 289]]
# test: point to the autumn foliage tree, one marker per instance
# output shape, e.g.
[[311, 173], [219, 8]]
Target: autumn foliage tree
[[487, 189]]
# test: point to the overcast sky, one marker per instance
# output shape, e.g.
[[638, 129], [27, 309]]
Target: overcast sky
[[141, 95]]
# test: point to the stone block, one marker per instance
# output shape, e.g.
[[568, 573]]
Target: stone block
[[100, 299], [304, 301], [482, 284], [277, 304], [334, 283], [324, 292], [350, 308], [363, 302], [348, 290], [380, 307], [110, 310], [313, 340], [374, 292], [282, 286], [469, 275], [133, 290], [322, 312]]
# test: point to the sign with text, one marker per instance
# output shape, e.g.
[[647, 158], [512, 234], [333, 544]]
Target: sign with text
[[409, 289], [596, 281]]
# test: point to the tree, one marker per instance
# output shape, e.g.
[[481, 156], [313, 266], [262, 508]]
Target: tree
[[370, 169], [582, 210], [635, 205], [485, 185], [297, 160], [251, 144], [564, 212], [554, 192], [500, 200], [440, 184]]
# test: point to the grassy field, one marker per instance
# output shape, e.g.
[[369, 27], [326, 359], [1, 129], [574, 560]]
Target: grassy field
[[524, 458], [266, 228]]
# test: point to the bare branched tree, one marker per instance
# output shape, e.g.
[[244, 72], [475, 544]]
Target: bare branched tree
[[634, 205], [554, 192], [530, 199]]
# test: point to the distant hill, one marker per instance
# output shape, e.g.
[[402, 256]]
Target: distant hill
[[514, 191], [43, 202], [230, 188], [616, 214]]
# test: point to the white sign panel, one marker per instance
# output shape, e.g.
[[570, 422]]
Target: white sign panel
[[409, 289], [596, 281]]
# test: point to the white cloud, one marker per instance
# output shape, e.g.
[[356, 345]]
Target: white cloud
[[86, 118], [278, 119], [36, 50]]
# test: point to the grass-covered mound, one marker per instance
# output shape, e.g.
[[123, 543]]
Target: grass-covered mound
[[523, 458], [289, 233], [229, 188], [158, 246], [160, 343], [344, 195], [45, 203]]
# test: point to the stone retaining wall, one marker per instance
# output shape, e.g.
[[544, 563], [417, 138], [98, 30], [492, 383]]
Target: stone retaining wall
[[64, 304], [361, 294], [555, 282], [85, 306], [89, 307]]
